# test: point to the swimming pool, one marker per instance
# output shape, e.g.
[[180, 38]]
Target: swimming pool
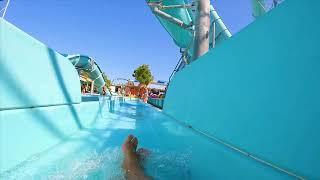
[[177, 152]]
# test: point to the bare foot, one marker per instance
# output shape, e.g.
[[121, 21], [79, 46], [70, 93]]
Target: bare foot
[[143, 154], [131, 159]]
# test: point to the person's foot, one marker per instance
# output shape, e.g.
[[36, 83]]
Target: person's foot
[[143, 154], [130, 144], [131, 159]]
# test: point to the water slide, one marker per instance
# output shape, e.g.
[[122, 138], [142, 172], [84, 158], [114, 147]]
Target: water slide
[[41, 104], [259, 120], [177, 17], [260, 91], [88, 64]]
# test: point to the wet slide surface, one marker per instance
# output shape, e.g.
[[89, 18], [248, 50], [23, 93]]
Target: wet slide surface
[[177, 152]]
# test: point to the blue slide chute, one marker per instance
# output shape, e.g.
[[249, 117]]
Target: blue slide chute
[[89, 65]]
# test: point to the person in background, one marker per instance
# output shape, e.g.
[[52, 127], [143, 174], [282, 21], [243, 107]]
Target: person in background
[[104, 90], [143, 93], [83, 88], [95, 90], [127, 91], [119, 91]]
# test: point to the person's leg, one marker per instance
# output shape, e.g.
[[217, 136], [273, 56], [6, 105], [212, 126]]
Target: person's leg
[[131, 159]]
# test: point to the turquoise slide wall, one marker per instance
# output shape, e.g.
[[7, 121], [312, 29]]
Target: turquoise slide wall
[[260, 90], [31, 74], [26, 133], [40, 98]]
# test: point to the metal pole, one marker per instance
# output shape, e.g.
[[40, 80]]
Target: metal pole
[[170, 18], [213, 34], [5, 9], [176, 6], [92, 87], [219, 24], [202, 28]]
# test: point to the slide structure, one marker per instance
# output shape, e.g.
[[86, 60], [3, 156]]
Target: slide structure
[[260, 93], [89, 65], [177, 17]]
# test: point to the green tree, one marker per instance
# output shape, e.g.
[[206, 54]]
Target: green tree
[[143, 74], [106, 80]]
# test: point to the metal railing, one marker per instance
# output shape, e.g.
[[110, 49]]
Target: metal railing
[[176, 68], [266, 5], [5, 9]]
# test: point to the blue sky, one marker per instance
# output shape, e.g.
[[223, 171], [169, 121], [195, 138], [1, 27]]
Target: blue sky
[[119, 35]]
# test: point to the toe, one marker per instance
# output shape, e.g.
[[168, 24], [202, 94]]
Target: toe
[[134, 142], [143, 152], [129, 139]]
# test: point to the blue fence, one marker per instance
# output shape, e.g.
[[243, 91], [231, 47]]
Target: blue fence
[[157, 102]]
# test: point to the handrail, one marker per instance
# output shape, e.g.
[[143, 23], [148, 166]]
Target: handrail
[[238, 149], [175, 69]]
